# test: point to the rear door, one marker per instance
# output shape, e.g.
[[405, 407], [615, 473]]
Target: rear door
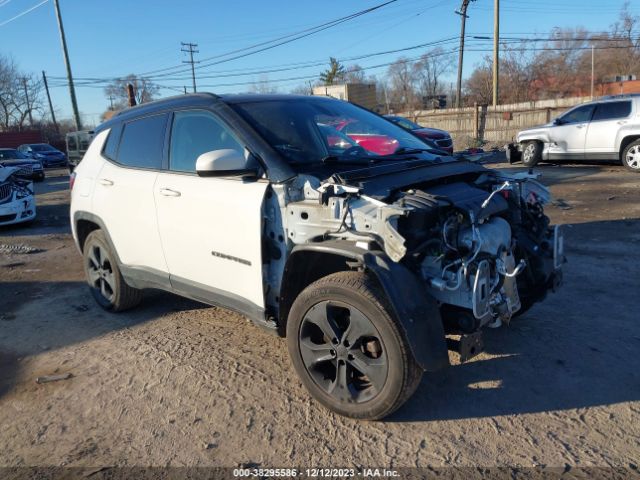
[[568, 138], [210, 226], [123, 193], [608, 119]]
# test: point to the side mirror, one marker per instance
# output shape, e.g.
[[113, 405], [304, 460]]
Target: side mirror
[[558, 121], [225, 163]]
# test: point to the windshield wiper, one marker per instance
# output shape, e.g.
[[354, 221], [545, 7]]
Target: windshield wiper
[[348, 160], [410, 151]]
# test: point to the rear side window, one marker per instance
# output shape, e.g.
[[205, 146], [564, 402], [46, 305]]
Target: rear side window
[[142, 142], [194, 133], [612, 110], [110, 149]]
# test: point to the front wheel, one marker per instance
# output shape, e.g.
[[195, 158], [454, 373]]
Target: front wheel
[[531, 153], [107, 285], [631, 156], [348, 349]]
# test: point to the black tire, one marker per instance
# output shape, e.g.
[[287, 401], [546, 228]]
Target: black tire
[[71, 168], [103, 275], [531, 153], [348, 300], [631, 156]]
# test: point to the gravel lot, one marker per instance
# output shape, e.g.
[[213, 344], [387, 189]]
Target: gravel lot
[[179, 383]]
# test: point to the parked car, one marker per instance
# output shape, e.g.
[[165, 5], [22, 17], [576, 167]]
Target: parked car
[[605, 129], [28, 167], [365, 262], [17, 202], [48, 155], [441, 138], [77, 145]]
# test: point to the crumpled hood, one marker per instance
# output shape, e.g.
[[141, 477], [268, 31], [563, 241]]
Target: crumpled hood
[[6, 172]]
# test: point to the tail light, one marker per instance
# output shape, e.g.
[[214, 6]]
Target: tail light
[[72, 180]]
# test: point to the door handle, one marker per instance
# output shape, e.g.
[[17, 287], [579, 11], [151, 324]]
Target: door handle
[[106, 182], [622, 122], [580, 126], [167, 192]]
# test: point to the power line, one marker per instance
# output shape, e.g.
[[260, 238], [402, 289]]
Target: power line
[[410, 60], [283, 40]]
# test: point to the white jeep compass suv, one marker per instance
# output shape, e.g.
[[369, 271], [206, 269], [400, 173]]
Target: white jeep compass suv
[[371, 265], [606, 129]]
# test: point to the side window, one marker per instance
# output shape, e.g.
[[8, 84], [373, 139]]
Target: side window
[[194, 133], [71, 143], [612, 110], [110, 149], [578, 115], [142, 142]]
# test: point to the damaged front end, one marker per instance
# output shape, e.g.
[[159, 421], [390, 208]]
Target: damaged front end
[[17, 201], [479, 242]]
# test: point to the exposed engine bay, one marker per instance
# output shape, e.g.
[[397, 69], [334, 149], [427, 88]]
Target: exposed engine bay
[[17, 202], [480, 241]]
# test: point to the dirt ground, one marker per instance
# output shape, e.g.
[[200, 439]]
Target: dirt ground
[[177, 383]]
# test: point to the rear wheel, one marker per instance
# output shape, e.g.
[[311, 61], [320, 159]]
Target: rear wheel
[[103, 275], [531, 153], [348, 349], [631, 156]]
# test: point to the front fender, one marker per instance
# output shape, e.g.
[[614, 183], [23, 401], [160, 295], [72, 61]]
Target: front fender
[[416, 311]]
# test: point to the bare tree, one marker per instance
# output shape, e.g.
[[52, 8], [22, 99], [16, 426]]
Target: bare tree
[[144, 90], [20, 96], [479, 86], [402, 86], [263, 85], [355, 74], [430, 70]]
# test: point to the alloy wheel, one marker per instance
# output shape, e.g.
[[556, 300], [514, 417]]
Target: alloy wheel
[[100, 272], [528, 153], [343, 352], [632, 157]]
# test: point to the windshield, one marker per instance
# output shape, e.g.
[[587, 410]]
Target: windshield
[[42, 147], [11, 155], [308, 130]]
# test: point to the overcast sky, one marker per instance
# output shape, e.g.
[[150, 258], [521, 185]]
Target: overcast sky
[[117, 37]]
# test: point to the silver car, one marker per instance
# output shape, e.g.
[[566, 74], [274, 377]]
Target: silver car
[[605, 129]]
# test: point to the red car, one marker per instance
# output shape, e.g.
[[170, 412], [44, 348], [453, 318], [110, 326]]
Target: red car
[[367, 138], [440, 138]]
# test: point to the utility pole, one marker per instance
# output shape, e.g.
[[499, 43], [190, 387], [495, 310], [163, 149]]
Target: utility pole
[[496, 48], [53, 115], [110, 102], [592, 69], [463, 20], [65, 53], [190, 48], [26, 94]]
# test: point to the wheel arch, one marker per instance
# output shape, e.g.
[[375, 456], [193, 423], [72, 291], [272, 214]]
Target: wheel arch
[[626, 140], [84, 223], [416, 311]]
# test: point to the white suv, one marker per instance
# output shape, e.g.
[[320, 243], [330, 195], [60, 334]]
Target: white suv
[[371, 265], [607, 129]]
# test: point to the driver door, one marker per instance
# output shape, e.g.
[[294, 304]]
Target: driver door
[[210, 227], [568, 137]]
